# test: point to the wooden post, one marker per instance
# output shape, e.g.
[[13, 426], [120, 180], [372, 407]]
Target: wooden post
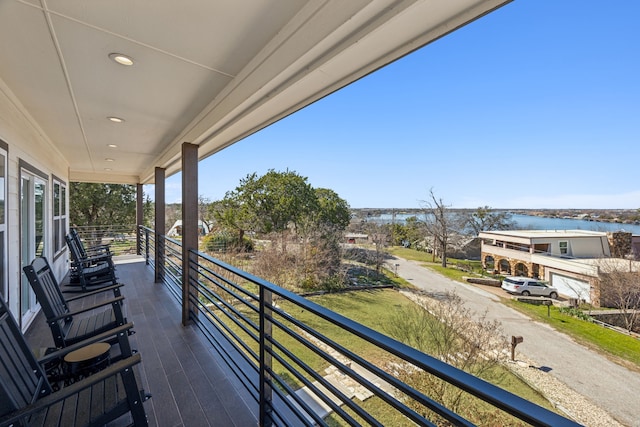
[[159, 224], [139, 216], [514, 342], [266, 301], [190, 231]]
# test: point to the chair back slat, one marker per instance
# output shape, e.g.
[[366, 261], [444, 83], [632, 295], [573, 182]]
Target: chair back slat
[[73, 233], [74, 248], [45, 286], [22, 379]]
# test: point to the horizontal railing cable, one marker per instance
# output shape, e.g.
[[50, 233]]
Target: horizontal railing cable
[[232, 315]]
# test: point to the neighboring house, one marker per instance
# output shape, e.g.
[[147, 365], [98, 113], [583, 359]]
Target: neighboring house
[[568, 259], [176, 229]]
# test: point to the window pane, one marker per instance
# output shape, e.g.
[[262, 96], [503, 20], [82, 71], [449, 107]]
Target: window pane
[[63, 200], [40, 191], [56, 235], [56, 199]]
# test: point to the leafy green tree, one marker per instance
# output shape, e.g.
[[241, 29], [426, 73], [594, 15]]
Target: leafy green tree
[[148, 211], [398, 233], [329, 212], [411, 232], [269, 203], [281, 199], [284, 203], [415, 229], [93, 204], [230, 214]]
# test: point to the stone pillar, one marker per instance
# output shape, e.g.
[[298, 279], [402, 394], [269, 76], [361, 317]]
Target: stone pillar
[[620, 243]]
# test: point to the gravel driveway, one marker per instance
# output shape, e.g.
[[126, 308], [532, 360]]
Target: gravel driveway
[[605, 384]]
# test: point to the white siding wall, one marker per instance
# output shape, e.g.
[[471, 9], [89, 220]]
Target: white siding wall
[[26, 142], [587, 247], [581, 247]]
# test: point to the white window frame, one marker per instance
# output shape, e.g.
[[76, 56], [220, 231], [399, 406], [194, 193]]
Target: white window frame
[[563, 247], [60, 215], [4, 283]]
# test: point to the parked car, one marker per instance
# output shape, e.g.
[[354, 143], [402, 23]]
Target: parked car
[[527, 286]]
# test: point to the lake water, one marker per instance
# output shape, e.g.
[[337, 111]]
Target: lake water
[[529, 222], [540, 223]]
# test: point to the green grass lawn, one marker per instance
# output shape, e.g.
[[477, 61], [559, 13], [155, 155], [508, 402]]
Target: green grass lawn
[[451, 271], [410, 254], [622, 348]]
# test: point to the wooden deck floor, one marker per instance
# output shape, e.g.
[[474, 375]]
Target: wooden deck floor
[[179, 367]]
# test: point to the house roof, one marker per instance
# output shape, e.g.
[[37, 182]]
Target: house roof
[[205, 72], [540, 234]]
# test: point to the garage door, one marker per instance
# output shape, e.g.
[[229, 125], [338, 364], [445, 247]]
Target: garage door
[[571, 287]]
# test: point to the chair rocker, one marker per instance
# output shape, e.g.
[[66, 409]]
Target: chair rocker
[[92, 272], [69, 327], [27, 398]]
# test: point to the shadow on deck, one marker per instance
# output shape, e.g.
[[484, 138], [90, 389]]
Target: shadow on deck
[[179, 366]]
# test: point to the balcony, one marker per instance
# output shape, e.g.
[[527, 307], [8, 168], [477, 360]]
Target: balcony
[[522, 253], [249, 354]]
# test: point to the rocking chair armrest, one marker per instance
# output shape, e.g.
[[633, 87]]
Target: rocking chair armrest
[[84, 310], [71, 390], [96, 292], [96, 257], [60, 353], [99, 247]]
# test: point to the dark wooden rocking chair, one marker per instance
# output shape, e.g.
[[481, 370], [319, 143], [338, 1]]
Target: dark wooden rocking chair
[[27, 398], [90, 272], [69, 327], [89, 251]]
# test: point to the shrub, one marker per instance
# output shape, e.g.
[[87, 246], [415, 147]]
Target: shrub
[[576, 313], [226, 242]]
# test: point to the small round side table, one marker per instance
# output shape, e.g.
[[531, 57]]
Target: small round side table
[[87, 360]]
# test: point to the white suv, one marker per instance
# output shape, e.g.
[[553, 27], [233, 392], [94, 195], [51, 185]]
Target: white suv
[[527, 286]]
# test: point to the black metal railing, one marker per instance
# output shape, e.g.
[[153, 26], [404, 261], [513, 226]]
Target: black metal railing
[[120, 238], [304, 364]]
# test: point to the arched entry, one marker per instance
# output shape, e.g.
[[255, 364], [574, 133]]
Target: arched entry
[[504, 266], [489, 263]]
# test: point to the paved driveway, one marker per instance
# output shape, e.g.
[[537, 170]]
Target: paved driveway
[[608, 385]]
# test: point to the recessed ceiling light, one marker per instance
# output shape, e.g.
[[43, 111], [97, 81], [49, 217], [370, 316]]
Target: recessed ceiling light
[[115, 119], [121, 59], [112, 146], [107, 169], [108, 160]]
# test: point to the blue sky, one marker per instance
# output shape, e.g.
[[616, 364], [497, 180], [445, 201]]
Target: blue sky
[[536, 105]]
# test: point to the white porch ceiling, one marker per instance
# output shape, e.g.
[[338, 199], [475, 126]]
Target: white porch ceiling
[[209, 72]]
